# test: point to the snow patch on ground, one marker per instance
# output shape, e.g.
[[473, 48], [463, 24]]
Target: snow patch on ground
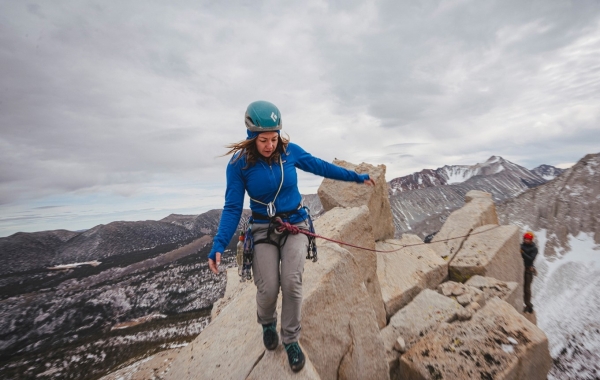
[[458, 176], [566, 297], [94, 263]]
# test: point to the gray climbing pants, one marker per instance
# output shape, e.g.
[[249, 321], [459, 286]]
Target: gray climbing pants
[[273, 268]]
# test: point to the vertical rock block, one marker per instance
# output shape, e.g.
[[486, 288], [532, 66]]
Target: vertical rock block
[[347, 194], [405, 273], [480, 210], [491, 251], [351, 225], [339, 328]]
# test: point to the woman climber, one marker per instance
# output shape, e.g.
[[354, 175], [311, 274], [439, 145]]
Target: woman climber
[[264, 165]]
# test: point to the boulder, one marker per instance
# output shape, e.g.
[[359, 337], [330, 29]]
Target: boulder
[[422, 315], [464, 314], [491, 287], [473, 306], [351, 225], [497, 343], [491, 251], [463, 294], [405, 273], [479, 211], [400, 345], [350, 194]]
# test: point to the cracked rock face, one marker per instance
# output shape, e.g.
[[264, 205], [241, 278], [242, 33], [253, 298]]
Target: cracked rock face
[[347, 194], [492, 251], [497, 343], [478, 212], [352, 226], [405, 273]]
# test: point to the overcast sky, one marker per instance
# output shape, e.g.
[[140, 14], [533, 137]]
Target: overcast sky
[[121, 110]]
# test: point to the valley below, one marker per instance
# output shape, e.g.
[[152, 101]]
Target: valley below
[[61, 323]]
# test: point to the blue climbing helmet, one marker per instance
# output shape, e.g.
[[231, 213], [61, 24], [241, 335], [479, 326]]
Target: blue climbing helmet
[[262, 116]]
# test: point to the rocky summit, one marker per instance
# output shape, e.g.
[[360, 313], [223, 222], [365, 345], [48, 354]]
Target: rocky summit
[[408, 311]]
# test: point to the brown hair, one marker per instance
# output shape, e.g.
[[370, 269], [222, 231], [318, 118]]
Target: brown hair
[[248, 149]]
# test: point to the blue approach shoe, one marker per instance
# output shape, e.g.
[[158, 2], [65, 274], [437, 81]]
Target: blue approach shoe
[[295, 356], [270, 337]]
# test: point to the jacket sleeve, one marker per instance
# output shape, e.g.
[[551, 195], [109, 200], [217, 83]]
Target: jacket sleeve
[[232, 211], [311, 164]]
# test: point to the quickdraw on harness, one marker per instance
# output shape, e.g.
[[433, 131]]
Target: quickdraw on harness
[[248, 252], [312, 242]]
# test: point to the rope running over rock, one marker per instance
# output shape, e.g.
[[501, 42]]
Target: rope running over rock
[[285, 226]]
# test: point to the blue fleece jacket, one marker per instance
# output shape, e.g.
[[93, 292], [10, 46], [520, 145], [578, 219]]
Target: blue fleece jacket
[[262, 180]]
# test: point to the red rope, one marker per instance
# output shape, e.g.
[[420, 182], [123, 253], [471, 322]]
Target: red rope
[[285, 226]]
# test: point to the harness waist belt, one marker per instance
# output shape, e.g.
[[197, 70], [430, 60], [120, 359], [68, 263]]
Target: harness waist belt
[[283, 215]]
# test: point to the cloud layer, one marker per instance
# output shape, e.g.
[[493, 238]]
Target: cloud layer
[[129, 106]]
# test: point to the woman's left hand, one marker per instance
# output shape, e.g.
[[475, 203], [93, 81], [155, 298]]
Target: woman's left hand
[[369, 182]]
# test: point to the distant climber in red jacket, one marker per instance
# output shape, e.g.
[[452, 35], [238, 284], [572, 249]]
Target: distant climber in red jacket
[[528, 252]]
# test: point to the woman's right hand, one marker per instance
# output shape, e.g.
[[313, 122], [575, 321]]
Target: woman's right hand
[[214, 264], [370, 182]]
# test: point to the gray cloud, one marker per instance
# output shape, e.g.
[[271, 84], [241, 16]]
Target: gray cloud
[[134, 102]]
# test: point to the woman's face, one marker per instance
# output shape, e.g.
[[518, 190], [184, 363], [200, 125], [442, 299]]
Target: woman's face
[[266, 143]]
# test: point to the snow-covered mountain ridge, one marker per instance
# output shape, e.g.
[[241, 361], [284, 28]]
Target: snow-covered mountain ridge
[[454, 174], [547, 172], [420, 205]]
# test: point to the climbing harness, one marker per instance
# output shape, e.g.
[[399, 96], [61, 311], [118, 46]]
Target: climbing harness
[[249, 241]]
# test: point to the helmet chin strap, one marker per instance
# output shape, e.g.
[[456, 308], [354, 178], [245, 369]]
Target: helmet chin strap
[[271, 210]]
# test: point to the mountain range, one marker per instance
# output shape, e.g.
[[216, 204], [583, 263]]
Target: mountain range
[[141, 269], [159, 268]]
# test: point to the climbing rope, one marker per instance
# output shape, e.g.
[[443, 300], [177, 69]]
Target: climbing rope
[[285, 226]]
